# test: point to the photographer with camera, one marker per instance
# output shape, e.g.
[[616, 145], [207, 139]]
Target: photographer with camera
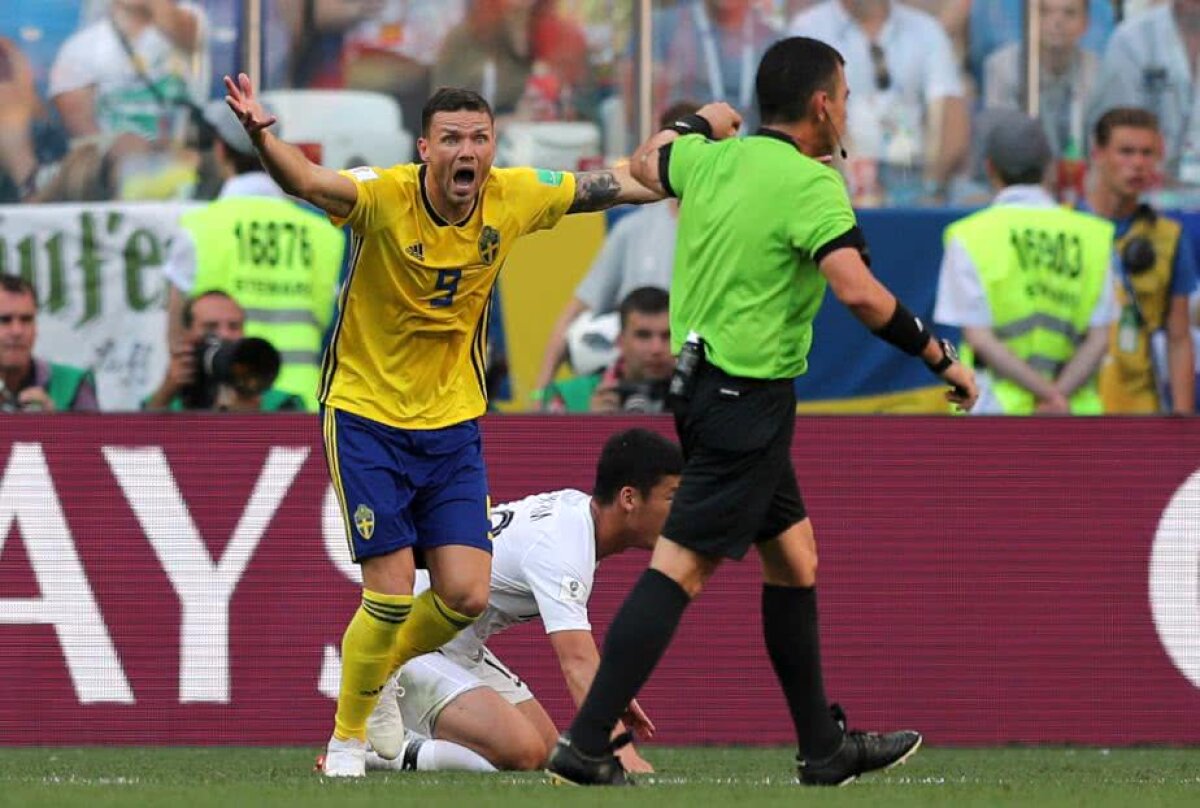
[[1151, 362], [637, 381], [214, 367], [28, 384]]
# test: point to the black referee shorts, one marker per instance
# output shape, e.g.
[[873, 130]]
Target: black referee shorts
[[738, 484]]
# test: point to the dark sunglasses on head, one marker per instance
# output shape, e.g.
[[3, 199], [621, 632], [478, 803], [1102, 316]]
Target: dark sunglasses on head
[[883, 77]]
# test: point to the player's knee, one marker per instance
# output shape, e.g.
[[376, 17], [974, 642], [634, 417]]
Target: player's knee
[[470, 601], [528, 753]]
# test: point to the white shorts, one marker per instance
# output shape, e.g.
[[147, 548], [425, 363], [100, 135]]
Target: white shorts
[[432, 681]]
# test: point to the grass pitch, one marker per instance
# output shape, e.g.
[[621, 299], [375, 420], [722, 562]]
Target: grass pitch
[[687, 778]]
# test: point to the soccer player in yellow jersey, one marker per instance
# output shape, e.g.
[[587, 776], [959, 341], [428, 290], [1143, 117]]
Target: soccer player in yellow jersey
[[403, 378]]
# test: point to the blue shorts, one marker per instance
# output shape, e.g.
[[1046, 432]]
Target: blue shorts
[[400, 488]]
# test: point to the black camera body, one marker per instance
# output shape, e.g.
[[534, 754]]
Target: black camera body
[[643, 396], [250, 366]]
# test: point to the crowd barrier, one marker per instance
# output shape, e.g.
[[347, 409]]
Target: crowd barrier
[[185, 580]]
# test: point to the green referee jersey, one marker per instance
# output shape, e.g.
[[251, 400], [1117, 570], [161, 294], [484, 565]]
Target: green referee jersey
[[756, 216]]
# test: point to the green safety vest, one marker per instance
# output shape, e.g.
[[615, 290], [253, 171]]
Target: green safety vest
[[1042, 272], [280, 262], [64, 385]]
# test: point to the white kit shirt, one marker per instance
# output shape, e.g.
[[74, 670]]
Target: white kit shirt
[[543, 561]]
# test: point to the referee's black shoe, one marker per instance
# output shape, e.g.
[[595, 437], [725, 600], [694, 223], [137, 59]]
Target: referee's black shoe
[[860, 752], [571, 766]]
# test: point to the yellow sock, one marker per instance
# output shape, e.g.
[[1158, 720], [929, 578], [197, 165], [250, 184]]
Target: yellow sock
[[367, 648], [430, 625]]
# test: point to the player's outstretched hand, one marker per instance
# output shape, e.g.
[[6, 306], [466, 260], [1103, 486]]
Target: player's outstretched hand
[[963, 390], [724, 119], [635, 718], [240, 98]]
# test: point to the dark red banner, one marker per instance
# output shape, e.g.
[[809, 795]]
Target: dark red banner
[[184, 580]]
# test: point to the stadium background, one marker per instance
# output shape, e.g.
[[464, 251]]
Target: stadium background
[[987, 581]]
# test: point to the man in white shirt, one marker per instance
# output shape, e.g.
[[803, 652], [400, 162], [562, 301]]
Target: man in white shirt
[[128, 72], [546, 550], [1017, 155], [904, 83]]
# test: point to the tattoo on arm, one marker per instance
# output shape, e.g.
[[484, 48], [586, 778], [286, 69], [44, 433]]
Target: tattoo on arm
[[594, 190]]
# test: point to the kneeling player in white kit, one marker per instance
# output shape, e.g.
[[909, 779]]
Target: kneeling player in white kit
[[546, 548]]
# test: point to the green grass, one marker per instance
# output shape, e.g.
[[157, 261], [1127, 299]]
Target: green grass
[[689, 778]]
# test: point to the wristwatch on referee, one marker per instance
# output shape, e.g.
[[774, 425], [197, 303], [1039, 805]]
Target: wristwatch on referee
[[949, 356]]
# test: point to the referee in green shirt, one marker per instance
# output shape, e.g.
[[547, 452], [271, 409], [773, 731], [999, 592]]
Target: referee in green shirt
[[764, 225]]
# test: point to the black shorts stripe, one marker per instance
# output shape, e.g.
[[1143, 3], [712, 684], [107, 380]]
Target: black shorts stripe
[[329, 363]]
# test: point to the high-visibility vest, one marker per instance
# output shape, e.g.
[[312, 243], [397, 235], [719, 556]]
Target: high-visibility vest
[[1127, 383], [64, 384], [1042, 270], [280, 262]]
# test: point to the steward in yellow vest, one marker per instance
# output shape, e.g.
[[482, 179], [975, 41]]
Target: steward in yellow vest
[[1030, 285], [278, 259], [1156, 274]]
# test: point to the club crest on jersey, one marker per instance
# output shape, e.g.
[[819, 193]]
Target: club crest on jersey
[[416, 250], [489, 244], [364, 521]]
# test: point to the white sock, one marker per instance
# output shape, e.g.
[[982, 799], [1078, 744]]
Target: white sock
[[436, 755], [428, 755]]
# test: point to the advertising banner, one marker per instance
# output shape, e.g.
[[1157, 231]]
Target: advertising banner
[[97, 272], [185, 580]]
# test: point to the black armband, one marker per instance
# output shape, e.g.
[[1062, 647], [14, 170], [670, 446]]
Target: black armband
[[906, 331], [693, 125]]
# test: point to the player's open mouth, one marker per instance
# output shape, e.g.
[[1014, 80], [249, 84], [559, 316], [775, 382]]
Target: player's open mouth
[[463, 179]]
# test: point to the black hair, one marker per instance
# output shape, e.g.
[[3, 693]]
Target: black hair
[[644, 300], [1026, 176], [676, 111], [242, 163], [1132, 117], [452, 99], [16, 285], [790, 72], [189, 315], [638, 458]]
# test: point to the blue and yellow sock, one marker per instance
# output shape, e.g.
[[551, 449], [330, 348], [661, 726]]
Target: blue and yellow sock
[[367, 650], [430, 625]]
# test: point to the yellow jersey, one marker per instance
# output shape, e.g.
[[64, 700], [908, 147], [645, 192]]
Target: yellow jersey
[[410, 343]]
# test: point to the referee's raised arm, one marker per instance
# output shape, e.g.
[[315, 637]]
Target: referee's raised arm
[[716, 121], [287, 165]]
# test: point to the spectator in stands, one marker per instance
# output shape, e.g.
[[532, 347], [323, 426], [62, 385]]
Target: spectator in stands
[[1034, 321], [18, 105], [120, 85], [638, 251], [28, 384], [996, 23], [520, 55], [1156, 272], [708, 50], [1148, 64], [394, 51], [637, 381], [213, 314], [907, 107], [1068, 76], [278, 259]]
